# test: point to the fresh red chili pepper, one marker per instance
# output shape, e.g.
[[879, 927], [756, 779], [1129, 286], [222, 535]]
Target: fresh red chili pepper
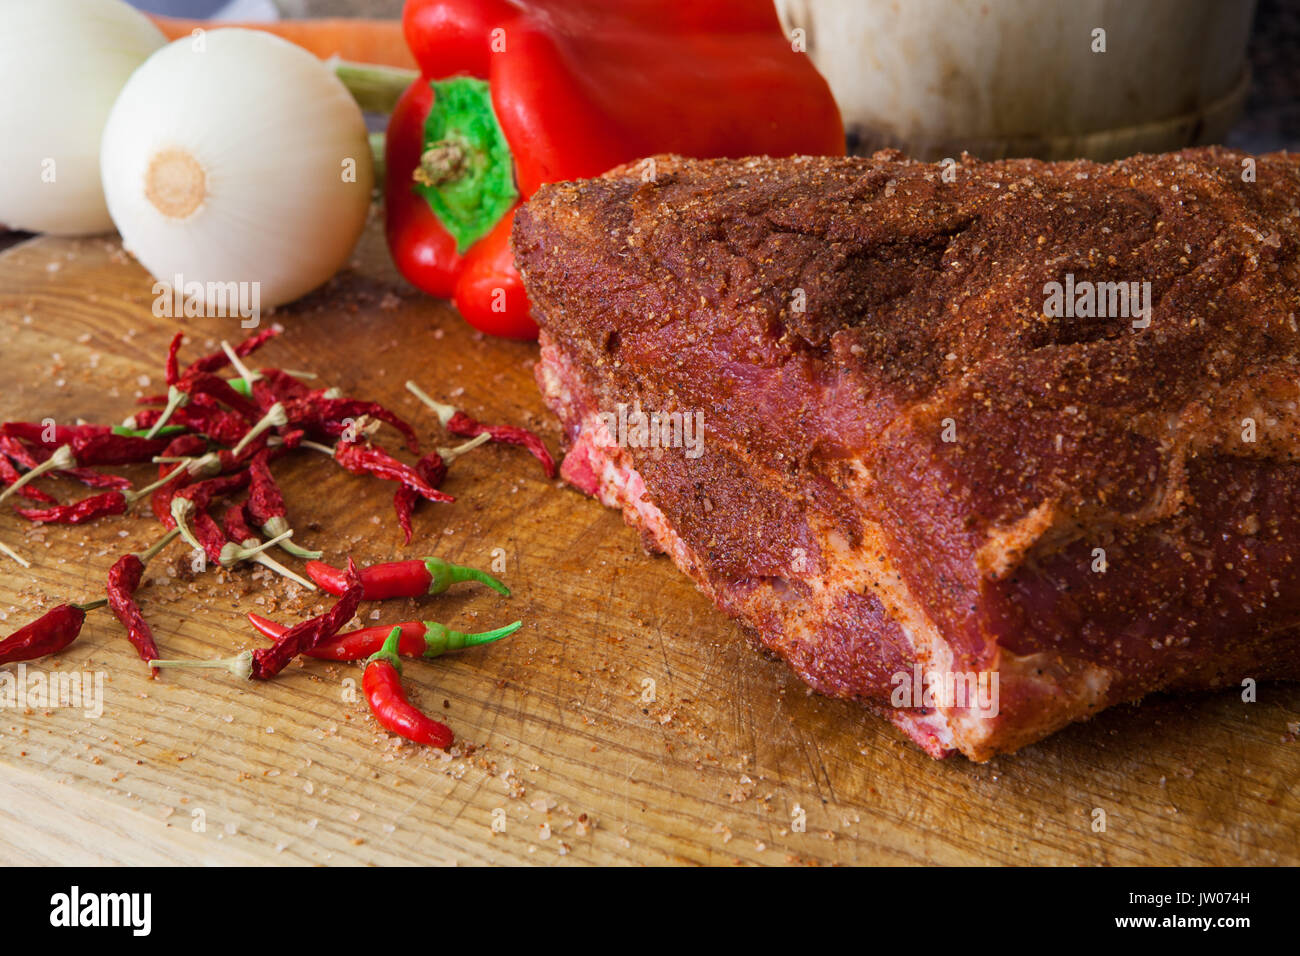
[[266, 504], [48, 634], [392, 579], [573, 88], [427, 639], [457, 422], [382, 685], [123, 581]]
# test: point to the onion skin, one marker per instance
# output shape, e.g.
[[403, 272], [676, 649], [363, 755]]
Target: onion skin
[[240, 159], [62, 63]]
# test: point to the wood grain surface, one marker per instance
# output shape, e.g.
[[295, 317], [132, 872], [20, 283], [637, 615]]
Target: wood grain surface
[[628, 722]]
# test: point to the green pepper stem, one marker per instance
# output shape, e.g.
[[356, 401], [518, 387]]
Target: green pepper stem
[[247, 374], [375, 88], [277, 526], [444, 412], [62, 459], [389, 651], [444, 574], [91, 605], [439, 639]]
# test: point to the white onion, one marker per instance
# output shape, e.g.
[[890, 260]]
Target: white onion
[[238, 157], [62, 63]]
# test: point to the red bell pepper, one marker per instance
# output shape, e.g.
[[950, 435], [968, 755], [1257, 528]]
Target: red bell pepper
[[517, 93]]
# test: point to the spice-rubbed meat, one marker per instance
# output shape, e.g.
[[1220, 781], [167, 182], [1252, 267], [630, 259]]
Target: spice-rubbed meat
[[914, 463]]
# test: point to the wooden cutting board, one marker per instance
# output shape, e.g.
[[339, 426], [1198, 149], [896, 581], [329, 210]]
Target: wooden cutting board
[[627, 722]]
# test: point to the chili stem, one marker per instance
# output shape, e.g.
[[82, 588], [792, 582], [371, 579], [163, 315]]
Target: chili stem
[[317, 446], [449, 455], [444, 412], [277, 526], [181, 507], [91, 605], [152, 551], [5, 549], [280, 569], [247, 375], [62, 459], [275, 417], [175, 399], [241, 665], [234, 553], [375, 88], [133, 496]]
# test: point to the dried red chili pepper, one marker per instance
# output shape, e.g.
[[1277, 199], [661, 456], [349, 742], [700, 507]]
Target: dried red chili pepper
[[205, 383], [382, 685], [123, 581], [427, 639], [78, 512], [61, 460], [172, 371], [109, 449], [113, 502], [180, 447], [414, 578], [266, 505], [48, 634], [9, 474], [331, 416], [458, 423], [277, 385], [218, 360], [101, 448], [244, 544], [266, 662], [433, 469], [36, 432], [97, 479], [372, 460]]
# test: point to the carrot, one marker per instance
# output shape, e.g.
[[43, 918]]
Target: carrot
[[378, 42]]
